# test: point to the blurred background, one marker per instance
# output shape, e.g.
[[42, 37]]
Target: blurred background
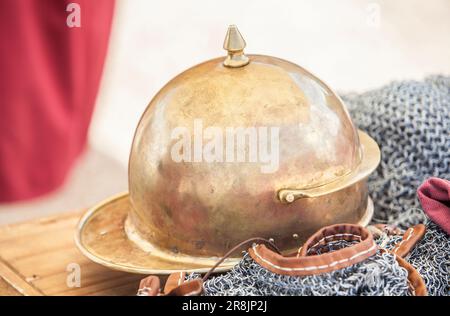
[[353, 45]]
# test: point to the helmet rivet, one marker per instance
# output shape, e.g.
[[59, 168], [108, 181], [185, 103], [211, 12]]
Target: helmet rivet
[[290, 198]]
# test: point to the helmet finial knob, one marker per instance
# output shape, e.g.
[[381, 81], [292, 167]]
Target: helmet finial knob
[[234, 43]]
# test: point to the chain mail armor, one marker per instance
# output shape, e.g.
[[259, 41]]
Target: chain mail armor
[[410, 121]]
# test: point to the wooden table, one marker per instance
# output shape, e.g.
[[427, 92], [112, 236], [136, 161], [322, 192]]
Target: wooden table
[[34, 257]]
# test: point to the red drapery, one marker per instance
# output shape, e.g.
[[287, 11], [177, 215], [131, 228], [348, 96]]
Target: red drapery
[[49, 78]]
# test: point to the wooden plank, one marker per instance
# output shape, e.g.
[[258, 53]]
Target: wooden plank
[[49, 263], [91, 275], [39, 226], [34, 258], [6, 289], [124, 290], [107, 286], [16, 281], [38, 245]]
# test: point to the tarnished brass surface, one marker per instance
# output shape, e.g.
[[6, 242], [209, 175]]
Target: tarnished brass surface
[[102, 237], [201, 208], [371, 155]]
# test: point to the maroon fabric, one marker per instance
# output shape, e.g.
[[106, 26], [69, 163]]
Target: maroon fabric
[[434, 195], [49, 78]]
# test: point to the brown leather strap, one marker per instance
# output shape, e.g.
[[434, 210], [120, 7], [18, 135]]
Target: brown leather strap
[[150, 286], [176, 285], [415, 280], [174, 280], [307, 263], [410, 238], [187, 288]]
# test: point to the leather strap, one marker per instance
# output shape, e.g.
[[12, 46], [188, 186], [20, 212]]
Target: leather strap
[[176, 285], [309, 263], [187, 288], [410, 238], [150, 286], [174, 280], [415, 280]]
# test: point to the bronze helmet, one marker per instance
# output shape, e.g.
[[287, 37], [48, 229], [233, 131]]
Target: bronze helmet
[[200, 206], [239, 147]]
